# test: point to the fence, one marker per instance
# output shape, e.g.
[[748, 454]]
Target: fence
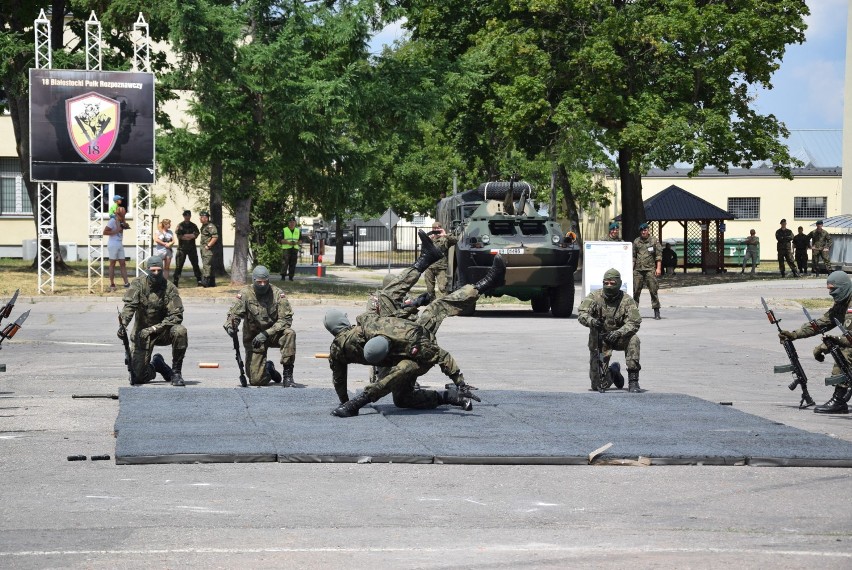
[[376, 246]]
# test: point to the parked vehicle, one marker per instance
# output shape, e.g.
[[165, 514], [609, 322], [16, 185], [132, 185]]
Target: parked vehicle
[[499, 217]]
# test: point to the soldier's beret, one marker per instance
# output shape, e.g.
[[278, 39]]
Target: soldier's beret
[[187, 213], [819, 222], [643, 226], [204, 213], [783, 221]]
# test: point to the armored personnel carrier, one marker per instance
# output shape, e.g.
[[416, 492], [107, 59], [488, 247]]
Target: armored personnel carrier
[[500, 217]]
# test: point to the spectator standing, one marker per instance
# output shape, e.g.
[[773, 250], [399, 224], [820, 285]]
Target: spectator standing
[[752, 251], [209, 236], [290, 249], [164, 242], [784, 237], [801, 245], [186, 233], [115, 248]]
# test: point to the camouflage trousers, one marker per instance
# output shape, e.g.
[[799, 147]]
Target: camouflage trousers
[[629, 345], [436, 281], [821, 262], [459, 301], [255, 360], [642, 279], [788, 257], [175, 336], [399, 380], [206, 262]]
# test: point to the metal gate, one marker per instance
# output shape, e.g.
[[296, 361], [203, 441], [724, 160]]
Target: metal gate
[[376, 246]]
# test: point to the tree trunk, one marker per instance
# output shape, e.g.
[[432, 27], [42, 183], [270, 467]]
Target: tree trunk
[[570, 202], [242, 227], [216, 175], [632, 208], [338, 240]]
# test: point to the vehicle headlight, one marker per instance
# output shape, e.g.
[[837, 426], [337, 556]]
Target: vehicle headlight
[[555, 238], [486, 239]]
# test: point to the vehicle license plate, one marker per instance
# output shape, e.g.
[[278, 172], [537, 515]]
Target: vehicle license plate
[[509, 251]]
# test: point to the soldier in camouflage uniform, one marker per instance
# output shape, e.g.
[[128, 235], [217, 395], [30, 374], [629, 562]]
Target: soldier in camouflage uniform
[[647, 261], [158, 310], [209, 236], [404, 349], [268, 319], [820, 247], [613, 233], [784, 237], [610, 310], [436, 274], [840, 288]]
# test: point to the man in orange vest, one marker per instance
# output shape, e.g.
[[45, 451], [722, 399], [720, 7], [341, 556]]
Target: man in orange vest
[[290, 249]]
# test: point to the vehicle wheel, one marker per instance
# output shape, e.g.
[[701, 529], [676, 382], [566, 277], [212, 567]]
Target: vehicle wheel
[[562, 301], [540, 303]]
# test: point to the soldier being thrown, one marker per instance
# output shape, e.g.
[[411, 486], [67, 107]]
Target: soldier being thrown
[[839, 287], [405, 349], [268, 319], [610, 309], [158, 310]]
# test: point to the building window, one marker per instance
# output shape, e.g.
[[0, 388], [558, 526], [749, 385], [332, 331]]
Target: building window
[[14, 200], [418, 220], [102, 195], [809, 207], [744, 208]]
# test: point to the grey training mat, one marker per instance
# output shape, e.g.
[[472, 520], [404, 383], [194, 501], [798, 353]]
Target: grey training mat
[[187, 425]]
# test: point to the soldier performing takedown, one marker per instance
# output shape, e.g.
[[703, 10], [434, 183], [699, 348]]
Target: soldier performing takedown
[[610, 310], [405, 349], [268, 319], [158, 310]]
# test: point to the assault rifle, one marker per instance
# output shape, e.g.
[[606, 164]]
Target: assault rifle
[[799, 378], [604, 378], [128, 356], [837, 353], [235, 337]]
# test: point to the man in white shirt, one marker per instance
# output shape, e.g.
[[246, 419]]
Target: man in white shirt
[[115, 247]]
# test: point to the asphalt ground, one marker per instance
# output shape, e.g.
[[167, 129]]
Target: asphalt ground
[[713, 342]]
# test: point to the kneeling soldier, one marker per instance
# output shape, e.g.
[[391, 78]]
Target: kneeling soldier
[[158, 310], [615, 314], [268, 321]]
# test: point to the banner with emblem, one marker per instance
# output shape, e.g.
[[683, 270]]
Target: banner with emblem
[[91, 126]]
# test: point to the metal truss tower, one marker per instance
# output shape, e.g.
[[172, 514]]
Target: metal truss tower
[[142, 62], [97, 192]]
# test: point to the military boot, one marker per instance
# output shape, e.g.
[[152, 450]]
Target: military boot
[[160, 366], [836, 405], [177, 365], [350, 408], [176, 279], [273, 374], [429, 253], [495, 277], [211, 281], [633, 381], [616, 376], [455, 397], [287, 372], [657, 316]]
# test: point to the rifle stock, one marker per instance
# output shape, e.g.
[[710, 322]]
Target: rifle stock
[[128, 356], [799, 377], [235, 337]]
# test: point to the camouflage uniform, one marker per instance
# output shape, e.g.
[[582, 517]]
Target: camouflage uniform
[[752, 243], [620, 314], [610, 237], [436, 275], [820, 247], [646, 254], [154, 306], [269, 313], [784, 237], [208, 232]]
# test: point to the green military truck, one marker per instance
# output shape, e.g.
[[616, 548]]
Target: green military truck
[[500, 217]]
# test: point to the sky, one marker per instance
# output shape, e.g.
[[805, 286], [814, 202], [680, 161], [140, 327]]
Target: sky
[[807, 89]]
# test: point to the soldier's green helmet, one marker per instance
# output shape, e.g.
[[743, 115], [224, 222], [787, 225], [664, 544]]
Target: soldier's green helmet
[[336, 321], [376, 349]]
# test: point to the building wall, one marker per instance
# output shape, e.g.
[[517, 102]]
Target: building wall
[[775, 194]]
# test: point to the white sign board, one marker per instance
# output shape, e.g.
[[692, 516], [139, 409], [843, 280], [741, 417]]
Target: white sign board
[[600, 256]]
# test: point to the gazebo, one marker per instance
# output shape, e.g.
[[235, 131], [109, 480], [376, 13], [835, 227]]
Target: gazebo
[[703, 226]]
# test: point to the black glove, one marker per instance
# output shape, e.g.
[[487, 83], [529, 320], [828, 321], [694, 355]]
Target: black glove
[[465, 392], [259, 340], [122, 333], [819, 352], [596, 324], [229, 328], [612, 337]]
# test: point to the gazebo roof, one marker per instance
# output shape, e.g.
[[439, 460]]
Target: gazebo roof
[[675, 203]]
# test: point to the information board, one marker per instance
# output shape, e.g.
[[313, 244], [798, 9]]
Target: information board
[[600, 256]]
